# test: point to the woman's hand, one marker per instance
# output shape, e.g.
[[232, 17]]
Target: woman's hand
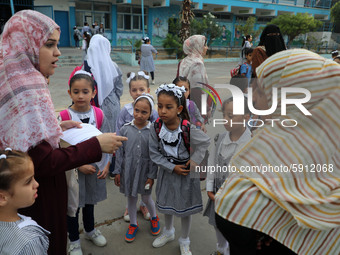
[[87, 169], [67, 124], [103, 174], [110, 142], [117, 180], [211, 195], [181, 170]]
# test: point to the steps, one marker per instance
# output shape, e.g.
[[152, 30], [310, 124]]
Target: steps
[[74, 58]]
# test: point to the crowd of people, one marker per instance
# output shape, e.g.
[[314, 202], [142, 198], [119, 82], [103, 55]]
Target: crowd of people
[[142, 145]]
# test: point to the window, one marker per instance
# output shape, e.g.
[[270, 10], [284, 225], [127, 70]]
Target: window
[[93, 12], [130, 18]]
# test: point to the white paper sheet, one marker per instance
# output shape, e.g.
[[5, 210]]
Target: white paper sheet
[[78, 135], [74, 136]]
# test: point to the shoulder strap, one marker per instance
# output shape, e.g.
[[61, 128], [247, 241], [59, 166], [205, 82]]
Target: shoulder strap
[[246, 66], [158, 125], [185, 126], [178, 67], [99, 116], [65, 115]]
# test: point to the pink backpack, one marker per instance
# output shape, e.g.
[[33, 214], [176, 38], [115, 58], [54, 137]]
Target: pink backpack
[[237, 70], [98, 115]]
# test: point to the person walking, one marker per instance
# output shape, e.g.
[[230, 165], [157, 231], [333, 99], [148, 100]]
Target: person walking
[[146, 62]]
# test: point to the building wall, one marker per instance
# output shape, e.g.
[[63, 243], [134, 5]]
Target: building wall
[[60, 5], [157, 27], [160, 22]]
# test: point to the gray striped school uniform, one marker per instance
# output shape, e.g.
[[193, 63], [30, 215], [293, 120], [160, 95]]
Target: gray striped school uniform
[[91, 189], [146, 62], [133, 161], [23, 237], [178, 195], [216, 179]]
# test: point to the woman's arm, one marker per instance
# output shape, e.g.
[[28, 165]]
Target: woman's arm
[[49, 162]]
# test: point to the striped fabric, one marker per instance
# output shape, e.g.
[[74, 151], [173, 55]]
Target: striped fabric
[[300, 210], [23, 237]]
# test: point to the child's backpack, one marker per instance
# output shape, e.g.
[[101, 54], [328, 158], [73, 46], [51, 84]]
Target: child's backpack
[[98, 115], [237, 70], [185, 127]]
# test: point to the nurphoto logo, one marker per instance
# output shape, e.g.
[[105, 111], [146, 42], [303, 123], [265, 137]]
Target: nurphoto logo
[[239, 102]]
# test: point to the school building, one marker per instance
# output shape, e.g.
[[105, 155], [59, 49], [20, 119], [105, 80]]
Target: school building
[[122, 19]]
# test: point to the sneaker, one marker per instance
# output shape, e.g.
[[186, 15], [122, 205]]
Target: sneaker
[[112, 176], [96, 237], [131, 233], [185, 249], [126, 215], [145, 212], [163, 240], [155, 227], [75, 249], [153, 82]]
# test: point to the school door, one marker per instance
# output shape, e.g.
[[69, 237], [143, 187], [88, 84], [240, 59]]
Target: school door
[[61, 18]]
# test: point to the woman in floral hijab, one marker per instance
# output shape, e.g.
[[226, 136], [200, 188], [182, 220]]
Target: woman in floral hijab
[[192, 67], [28, 56]]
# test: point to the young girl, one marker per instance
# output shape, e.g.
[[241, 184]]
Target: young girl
[[18, 189], [86, 44], [92, 186], [134, 168], [138, 84], [225, 146], [194, 113], [178, 194]]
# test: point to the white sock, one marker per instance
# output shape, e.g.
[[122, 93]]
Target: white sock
[[169, 224], [222, 243], [132, 208], [150, 204], [186, 225]]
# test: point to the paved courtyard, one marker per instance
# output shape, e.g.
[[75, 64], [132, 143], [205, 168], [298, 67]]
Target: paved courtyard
[[108, 214]]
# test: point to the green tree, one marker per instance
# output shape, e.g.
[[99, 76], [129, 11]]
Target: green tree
[[248, 27], [174, 26], [335, 13], [207, 27], [294, 25], [172, 45]]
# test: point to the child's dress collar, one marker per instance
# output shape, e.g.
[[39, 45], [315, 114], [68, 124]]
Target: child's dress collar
[[169, 135]]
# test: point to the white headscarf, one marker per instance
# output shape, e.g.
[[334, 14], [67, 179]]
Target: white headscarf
[[102, 67]]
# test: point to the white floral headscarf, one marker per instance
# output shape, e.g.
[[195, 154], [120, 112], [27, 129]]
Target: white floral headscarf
[[192, 66]]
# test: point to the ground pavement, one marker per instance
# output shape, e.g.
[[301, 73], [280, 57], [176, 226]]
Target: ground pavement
[[108, 214]]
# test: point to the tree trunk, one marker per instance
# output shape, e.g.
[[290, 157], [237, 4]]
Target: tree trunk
[[186, 16]]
